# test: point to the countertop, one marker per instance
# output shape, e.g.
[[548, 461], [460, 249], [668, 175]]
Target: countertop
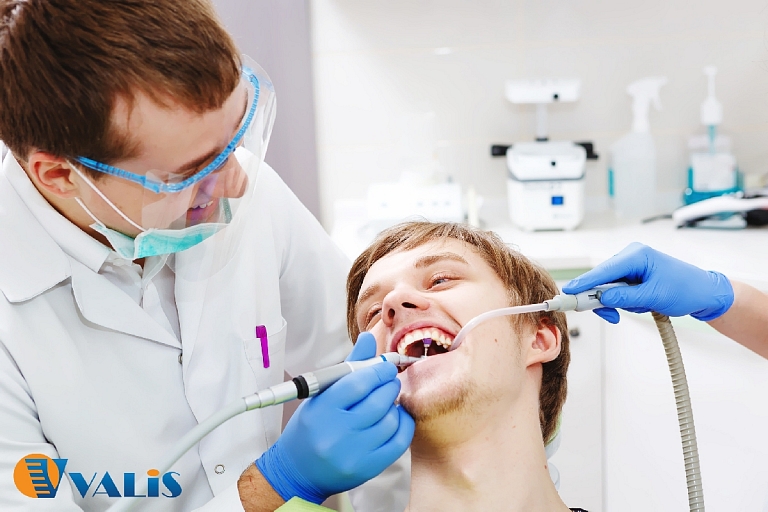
[[741, 254]]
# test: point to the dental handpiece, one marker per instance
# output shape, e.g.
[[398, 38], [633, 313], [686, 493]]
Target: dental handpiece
[[311, 383], [304, 386], [584, 301]]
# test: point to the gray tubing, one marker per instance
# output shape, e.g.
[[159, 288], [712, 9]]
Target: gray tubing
[[684, 412]]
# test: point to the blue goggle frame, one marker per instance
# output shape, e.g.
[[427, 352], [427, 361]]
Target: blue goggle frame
[[161, 187]]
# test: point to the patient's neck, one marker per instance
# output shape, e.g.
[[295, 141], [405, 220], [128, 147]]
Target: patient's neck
[[491, 458]]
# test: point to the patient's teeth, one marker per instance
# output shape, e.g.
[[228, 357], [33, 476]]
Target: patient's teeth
[[435, 334]]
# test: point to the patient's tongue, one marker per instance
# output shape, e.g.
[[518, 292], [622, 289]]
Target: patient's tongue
[[415, 349]]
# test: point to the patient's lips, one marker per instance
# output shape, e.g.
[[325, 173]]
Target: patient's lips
[[412, 343]]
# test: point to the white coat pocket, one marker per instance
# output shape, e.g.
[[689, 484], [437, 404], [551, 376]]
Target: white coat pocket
[[266, 357], [266, 354]]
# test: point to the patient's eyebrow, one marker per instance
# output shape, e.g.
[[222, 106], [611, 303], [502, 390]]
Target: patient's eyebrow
[[367, 294], [426, 261]]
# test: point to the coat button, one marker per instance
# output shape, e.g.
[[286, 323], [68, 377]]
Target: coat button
[[219, 469], [180, 357]]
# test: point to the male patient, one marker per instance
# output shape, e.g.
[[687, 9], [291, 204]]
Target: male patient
[[484, 410]]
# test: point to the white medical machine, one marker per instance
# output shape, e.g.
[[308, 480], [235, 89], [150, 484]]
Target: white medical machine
[[423, 189], [545, 179], [390, 203]]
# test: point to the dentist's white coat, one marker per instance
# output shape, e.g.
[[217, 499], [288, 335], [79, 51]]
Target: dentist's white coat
[[87, 375]]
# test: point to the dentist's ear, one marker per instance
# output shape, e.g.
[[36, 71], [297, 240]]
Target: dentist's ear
[[52, 174], [545, 343]]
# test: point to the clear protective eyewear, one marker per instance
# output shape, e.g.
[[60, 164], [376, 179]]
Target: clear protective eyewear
[[176, 183], [175, 201]]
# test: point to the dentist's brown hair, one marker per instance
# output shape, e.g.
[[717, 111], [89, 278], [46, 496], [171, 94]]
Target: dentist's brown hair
[[526, 283], [65, 63]]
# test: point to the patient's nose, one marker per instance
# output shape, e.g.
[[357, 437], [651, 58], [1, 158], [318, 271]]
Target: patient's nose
[[402, 302]]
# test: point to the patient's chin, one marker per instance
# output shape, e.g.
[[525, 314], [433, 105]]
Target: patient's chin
[[427, 403]]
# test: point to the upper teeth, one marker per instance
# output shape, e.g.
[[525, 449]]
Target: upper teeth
[[436, 335], [206, 205]]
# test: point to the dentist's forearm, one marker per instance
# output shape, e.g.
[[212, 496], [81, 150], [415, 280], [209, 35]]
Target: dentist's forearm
[[746, 321]]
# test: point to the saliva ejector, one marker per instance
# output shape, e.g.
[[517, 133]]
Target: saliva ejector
[[590, 299], [312, 383]]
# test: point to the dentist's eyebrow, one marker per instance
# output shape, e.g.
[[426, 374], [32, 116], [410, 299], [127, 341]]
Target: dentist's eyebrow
[[199, 161], [426, 261]]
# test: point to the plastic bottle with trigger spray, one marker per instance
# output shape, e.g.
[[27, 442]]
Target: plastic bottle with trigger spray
[[632, 174]]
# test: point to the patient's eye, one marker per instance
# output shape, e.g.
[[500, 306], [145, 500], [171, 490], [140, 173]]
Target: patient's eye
[[372, 313], [440, 278]]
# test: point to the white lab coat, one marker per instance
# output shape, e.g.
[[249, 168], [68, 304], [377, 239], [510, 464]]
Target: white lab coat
[[87, 375]]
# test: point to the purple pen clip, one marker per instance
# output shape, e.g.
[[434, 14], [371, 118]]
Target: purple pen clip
[[261, 333]]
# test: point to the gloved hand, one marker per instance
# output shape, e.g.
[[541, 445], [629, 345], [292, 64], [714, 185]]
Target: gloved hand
[[342, 437], [666, 285]]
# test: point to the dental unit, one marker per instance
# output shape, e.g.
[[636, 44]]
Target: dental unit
[[312, 383]]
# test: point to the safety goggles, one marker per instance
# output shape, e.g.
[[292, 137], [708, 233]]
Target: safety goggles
[[172, 183], [209, 195]]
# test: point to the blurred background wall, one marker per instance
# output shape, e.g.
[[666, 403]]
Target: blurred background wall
[[276, 33]]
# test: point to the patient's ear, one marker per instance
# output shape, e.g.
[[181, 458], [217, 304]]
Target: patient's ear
[[545, 343]]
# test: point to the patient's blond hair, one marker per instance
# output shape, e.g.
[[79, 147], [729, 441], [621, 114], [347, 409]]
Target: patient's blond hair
[[526, 283]]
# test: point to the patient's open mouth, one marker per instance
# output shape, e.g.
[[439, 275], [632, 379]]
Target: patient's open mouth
[[413, 343]]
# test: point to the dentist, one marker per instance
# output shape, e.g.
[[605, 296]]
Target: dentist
[[675, 288], [153, 268]]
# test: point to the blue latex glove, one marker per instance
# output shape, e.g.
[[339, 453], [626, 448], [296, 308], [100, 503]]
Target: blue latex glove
[[342, 437], [665, 284]]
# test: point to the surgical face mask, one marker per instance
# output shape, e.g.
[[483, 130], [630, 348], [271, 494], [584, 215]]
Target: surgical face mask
[[152, 242]]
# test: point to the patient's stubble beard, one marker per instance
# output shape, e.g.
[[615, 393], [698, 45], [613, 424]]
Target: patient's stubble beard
[[433, 401]]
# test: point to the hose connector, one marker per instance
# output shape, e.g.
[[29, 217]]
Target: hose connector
[[584, 301]]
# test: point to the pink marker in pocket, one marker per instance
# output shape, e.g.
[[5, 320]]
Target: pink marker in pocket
[[261, 333]]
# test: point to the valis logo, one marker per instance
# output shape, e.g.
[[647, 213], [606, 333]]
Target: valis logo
[[39, 476]]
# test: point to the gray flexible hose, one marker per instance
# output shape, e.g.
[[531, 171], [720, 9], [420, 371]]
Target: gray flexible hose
[[684, 412]]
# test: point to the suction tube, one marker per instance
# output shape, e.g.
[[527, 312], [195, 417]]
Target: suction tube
[[684, 412]]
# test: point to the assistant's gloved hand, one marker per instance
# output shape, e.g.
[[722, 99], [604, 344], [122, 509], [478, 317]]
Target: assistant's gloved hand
[[666, 285], [342, 437]]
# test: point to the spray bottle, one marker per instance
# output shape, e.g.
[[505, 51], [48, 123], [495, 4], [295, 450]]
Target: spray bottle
[[632, 174]]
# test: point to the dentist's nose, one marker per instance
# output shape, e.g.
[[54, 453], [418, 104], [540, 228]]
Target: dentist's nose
[[402, 302], [230, 181]]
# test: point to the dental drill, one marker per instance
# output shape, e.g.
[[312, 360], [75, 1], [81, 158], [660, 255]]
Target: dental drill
[[589, 300], [304, 386]]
